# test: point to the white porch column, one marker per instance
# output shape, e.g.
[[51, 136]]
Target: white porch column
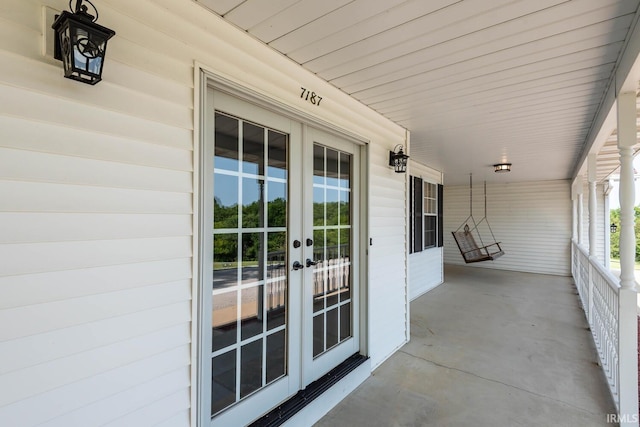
[[626, 140], [580, 210], [607, 226], [593, 205], [574, 219], [627, 323], [574, 212]]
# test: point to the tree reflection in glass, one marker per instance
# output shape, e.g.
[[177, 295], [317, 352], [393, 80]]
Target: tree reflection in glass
[[250, 284]]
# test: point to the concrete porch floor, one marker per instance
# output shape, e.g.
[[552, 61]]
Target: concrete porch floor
[[488, 348]]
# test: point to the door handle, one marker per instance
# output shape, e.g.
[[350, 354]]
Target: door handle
[[310, 262], [297, 265]]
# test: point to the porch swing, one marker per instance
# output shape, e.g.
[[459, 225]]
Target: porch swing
[[469, 249]]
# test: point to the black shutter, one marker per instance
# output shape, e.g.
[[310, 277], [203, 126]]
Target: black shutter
[[411, 201], [440, 215], [417, 214]]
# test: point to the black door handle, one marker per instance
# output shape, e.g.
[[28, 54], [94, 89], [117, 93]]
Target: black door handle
[[310, 263], [297, 265]]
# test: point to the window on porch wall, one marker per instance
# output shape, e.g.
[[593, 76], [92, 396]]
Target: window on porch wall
[[425, 215]]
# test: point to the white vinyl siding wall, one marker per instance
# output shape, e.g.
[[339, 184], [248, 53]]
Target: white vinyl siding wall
[[96, 212], [532, 220], [425, 267]]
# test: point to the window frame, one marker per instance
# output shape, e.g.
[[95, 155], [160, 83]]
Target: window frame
[[429, 216], [418, 215]]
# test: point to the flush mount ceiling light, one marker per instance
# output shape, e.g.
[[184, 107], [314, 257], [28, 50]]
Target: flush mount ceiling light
[[81, 44], [398, 159], [502, 167]]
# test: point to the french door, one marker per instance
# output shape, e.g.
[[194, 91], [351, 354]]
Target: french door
[[280, 245]]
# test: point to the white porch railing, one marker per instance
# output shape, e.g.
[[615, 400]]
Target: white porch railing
[[599, 293]]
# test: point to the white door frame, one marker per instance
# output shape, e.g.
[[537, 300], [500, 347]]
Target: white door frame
[[200, 375]]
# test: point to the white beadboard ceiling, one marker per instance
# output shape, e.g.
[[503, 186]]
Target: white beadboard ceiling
[[477, 82]]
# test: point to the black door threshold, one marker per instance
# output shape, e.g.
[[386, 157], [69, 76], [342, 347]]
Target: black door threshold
[[288, 409]]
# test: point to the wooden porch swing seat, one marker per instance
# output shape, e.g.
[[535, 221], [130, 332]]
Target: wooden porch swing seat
[[470, 250]]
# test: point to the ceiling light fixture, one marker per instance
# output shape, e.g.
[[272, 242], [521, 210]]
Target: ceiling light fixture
[[502, 167]]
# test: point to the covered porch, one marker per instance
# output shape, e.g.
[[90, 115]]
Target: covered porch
[[488, 347], [123, 287]]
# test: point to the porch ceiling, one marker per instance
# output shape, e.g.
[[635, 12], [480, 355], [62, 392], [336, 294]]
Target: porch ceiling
[[477, 82]]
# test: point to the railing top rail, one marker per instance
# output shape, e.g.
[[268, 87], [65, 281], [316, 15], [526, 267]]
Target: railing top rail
[[582, 249], [606, 274]]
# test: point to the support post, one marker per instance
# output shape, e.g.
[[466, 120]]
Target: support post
[[593, 205], [627, 322], [593, 227], [574, 212], [607, 226], [580, 211]]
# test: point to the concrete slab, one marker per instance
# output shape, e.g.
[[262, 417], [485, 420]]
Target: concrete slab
[[488, 348]]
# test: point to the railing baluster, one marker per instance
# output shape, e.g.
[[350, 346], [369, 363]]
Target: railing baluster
[[599, 292]]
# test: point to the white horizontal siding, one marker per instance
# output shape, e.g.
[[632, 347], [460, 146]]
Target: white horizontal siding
[[426, 173], [425, 267], [97, 204], [425, 271], [387, 257], [532, 220], [106, 394]]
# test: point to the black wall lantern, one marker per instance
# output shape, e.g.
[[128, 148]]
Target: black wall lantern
[[81, 43], [398, 159], [613, 227]]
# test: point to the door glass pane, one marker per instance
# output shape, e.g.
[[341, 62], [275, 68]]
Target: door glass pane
[[224, 320], [332, 220], [252, 203], [277, 204], [251, 312], [318, 164], [331, 207], [223, 381], [225, 260], [225, 202], [226, 143], [253, 149], [318, 334], [250, 278], [318, 270], [332, 167], [345, 170], [277, 155], [276, 349], [252, 257], [345, 207], [345, 321], [332, 327], [250, 368]]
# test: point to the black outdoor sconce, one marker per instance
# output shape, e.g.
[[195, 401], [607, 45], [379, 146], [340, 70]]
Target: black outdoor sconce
[[80, 43], [398, 159], [613, 227]]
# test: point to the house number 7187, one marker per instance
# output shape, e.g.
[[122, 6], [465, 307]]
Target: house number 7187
[[312, 97]]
